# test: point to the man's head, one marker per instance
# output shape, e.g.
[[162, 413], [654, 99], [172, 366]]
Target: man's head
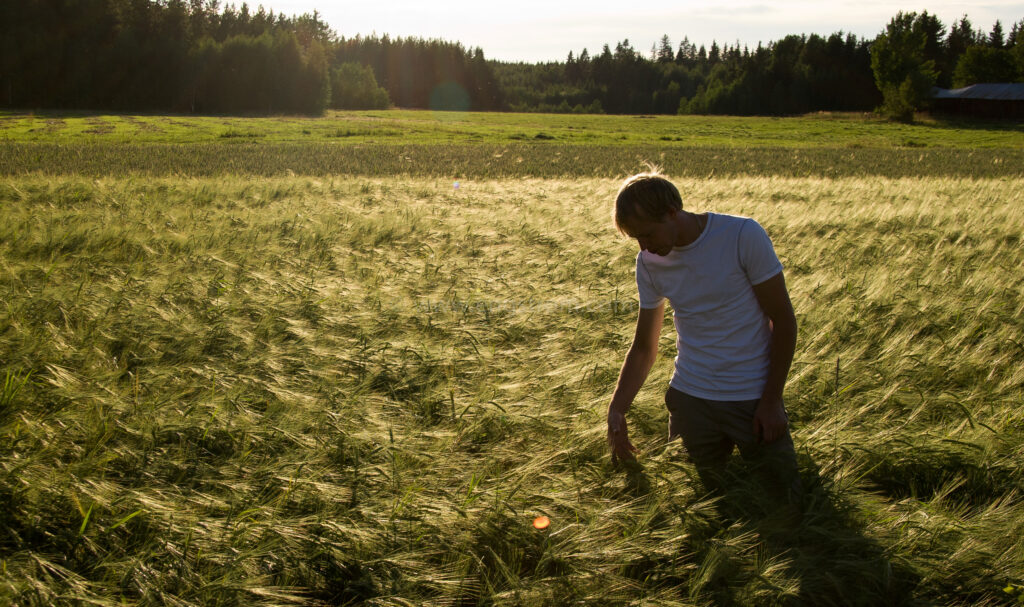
[[643, 198]]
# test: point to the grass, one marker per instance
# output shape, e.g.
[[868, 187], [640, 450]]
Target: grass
[[402, 127], [492, 161], [361, 390], [491, 145]]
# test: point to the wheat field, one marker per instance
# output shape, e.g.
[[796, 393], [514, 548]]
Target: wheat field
[[353, 390]]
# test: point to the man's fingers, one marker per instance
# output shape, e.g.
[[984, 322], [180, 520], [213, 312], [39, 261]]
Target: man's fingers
[[622, 445], [618, 439], [623, 450], [773, 432], [625, 454]]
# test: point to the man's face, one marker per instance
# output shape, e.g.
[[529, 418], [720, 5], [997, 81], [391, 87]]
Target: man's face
[[655, 236]]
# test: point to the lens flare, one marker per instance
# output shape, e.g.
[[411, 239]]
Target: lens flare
[[450, 96]]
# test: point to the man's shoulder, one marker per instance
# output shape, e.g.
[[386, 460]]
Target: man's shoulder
[[739, 226], [730, 219], [728, 228]]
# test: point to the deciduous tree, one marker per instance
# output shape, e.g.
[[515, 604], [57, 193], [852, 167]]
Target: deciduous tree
[[903, 73]]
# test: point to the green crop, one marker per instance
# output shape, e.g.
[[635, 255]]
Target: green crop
[[491, 161], [362, 389], [402, 127]]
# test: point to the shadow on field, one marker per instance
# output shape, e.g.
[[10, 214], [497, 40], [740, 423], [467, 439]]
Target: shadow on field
[[822, 547], [941, 120], [749, 547]]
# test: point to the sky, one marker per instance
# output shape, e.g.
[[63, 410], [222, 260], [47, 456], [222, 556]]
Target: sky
[[546, 30]]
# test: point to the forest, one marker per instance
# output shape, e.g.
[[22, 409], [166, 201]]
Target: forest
[[197, 56], [794, 75]]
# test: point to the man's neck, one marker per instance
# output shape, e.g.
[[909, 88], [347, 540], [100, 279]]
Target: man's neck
[[690, 227]]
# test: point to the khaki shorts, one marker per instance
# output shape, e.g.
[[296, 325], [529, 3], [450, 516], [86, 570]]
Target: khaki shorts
[[710, 430]]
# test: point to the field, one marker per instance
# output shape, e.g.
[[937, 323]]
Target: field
[[404, 127], [250, 387], [479, 145]]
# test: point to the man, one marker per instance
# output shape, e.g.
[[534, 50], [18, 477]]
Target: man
[[735, 326]]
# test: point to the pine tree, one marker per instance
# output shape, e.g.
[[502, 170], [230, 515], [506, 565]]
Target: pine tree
[[665, 54], [1015, 33], [995, 37], [961, 36]]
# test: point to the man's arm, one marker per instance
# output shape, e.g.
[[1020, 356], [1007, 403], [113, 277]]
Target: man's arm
[[637, 365], [770, 417]]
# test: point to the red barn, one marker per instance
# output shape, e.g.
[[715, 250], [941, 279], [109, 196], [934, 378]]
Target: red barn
[[982, 100]]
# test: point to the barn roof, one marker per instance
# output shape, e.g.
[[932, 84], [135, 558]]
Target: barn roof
[[993, 92]]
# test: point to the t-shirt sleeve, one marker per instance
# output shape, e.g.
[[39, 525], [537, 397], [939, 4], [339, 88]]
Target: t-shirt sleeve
[[756, 253], [649, 296]]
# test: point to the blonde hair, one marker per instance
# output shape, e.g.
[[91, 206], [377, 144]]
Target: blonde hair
[[645, 196]]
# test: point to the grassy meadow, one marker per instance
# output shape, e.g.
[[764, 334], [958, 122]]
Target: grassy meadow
[[493, 145], [344, 389], [404, 127]]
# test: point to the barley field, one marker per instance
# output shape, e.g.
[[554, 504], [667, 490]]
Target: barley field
[[360, 389], [506, 161]]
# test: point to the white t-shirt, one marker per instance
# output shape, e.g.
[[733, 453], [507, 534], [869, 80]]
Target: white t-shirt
[[723, 337]]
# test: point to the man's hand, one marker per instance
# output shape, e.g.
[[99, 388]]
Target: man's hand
[[634, 371], [770, 419], [770, 416], [618, 437]]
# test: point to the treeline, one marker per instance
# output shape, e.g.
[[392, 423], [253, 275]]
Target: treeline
[[426, 73], [796, 74], [194, 56], [915, 53]]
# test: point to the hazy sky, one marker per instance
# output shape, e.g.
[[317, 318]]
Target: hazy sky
[[546, 30]]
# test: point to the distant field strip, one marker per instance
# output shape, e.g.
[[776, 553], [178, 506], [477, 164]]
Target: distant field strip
[[361, 390], [485, 161], [400, 127]]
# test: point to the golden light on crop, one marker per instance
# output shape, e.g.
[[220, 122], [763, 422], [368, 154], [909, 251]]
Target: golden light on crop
[[541, 522]]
